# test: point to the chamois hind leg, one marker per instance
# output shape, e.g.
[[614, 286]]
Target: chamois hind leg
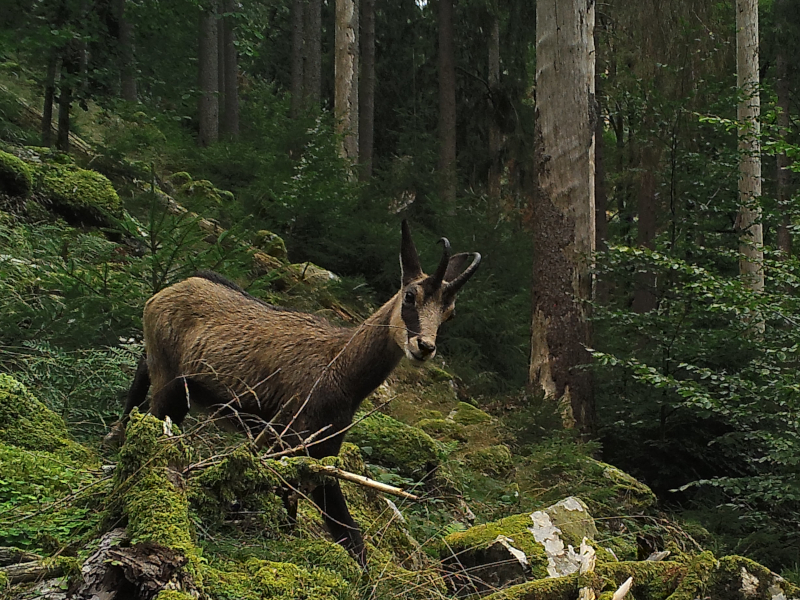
[[137, 394], [343, 528], [137, 398]]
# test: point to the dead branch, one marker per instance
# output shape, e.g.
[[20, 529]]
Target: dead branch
[[361, 480], [11, 556], [31, 571]]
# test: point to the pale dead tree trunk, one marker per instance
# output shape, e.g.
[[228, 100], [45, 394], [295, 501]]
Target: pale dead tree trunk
[[644, 297], [230, 119], [447, 105], [751, 239], [495, 136], [345, 107], [208, 106], [312, 69], [563, 208], [366, 93], [49, 95], [784, 175], [126, 56], [298, 8]]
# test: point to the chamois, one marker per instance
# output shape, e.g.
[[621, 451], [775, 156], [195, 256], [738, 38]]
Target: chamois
[[211, 345]]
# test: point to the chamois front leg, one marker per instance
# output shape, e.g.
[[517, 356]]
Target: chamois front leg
[[343, 528]]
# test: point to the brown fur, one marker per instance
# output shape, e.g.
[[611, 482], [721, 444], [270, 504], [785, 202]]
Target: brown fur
[[210, 345]]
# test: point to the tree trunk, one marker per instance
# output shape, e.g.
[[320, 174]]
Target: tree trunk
[[447, 105], [600, 192], [495, 136], [127, 59], [346, 73], [220, 68], [784, 175], [366, 93], [298, 8], [563, 205], [644, 296], [70, 70], [208, 107], [49, 96], [749, 219], [230, 120], [312, 70]]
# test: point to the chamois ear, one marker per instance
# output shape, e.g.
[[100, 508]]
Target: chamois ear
[[409, 259], [456, 274]]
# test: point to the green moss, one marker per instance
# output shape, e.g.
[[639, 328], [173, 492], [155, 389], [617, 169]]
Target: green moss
[[628, 491], [443, 430], [477, 540], [466, 414], [27, 423], [494, 460], [76, 192], [653, 580], [15, 176], [556, 588], [174, 595], [149, 490], [244, 478], [389, 581], [392, 443], [257, 579], [180, 178], [271, 243], [438, 374], [4, 582], [696, 580], [201, 189]]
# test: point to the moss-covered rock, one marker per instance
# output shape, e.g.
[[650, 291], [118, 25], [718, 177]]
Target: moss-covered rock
[[15, 176], [443, 430], [466, 414], [494, 460], [201, 189], [25, 422], [559, 588], [271, 244], [78, 194], [627, 491], [389, 442], [525, 546]]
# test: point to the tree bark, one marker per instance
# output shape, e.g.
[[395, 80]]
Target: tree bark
[[127, 56], [784, 175], [312, 68], [495, 136], [366, 93], [220, 68], [447, 105], [600, 191], [747, 79], [208, 106], [49, 96], [230, 120], [298, 8], [70, 69], [563, 205], [346, 74]]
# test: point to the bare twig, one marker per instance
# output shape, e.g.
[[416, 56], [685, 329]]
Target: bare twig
[[361, 480]]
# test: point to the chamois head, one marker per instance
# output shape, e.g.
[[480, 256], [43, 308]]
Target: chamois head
[[426, 301]]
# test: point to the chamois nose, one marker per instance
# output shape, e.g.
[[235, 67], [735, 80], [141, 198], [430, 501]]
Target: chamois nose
[[426, 347]]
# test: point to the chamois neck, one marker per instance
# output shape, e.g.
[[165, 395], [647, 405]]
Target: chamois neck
[[368, 355]]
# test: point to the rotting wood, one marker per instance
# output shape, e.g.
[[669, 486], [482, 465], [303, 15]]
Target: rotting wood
[[31, 571], [11, 556]]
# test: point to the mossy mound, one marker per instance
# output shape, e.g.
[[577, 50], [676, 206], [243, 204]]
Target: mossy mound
[[243, 479], [271, 244], [466, 414], [15, 176], [494, 460], [391, 443], [39, 467], [25, 422], [257, 579], [443, 430], [78, 194], [626, 491]]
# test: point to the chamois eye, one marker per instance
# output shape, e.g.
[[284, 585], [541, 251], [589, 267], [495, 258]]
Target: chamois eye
[[409, 298]]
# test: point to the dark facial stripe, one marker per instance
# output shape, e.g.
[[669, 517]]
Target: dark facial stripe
[[410, 316]]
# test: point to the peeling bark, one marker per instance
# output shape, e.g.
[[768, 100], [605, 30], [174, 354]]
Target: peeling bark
[[563, 208]]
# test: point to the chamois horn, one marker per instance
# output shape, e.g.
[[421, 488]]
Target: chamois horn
[[452, 287], [438, 276]]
